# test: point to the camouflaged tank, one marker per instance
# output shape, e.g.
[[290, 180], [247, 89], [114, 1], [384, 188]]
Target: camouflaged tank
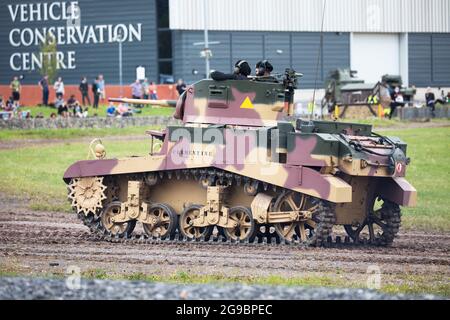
[[235, 169]]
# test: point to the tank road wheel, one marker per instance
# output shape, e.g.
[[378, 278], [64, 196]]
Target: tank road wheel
[[87, 194], [186, 223], [245, 228], [116, 229], [314, 231], [165, 218], [380, 226]]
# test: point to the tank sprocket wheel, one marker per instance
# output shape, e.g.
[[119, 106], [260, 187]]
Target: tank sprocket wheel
[[87, 194], [314, 231], [123, 229], [245, 225], [186, 226], [165, 221], [380, 226]]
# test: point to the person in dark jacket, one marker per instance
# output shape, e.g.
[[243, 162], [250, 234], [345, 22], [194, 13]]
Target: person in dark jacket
[[241, 71], [96, 91], [43, 83], [84, 89]]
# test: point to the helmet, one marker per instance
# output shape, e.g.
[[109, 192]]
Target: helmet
[[242, 67], [262, 67]]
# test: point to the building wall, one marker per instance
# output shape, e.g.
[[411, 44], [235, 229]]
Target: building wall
[[90, 57], [429, 59], [392, 16], [296, 50]]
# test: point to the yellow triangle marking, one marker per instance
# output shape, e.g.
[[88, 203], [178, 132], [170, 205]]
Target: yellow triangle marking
[[247, 104]]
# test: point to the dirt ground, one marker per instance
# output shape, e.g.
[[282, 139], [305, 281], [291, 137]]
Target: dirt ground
[[46, 243]]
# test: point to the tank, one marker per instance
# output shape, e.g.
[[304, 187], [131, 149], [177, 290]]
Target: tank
[[344, 88], [235, 169]]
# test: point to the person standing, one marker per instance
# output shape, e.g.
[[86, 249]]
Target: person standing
[[84, 89], [136, 89], [59, 87], [153, 91], [146, 89], [96, 92], [430, 100], [43, 83], [101, 87], [181, 86], [16, 88]]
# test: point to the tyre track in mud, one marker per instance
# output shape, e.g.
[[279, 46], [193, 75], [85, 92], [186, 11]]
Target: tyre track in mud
[[37, 239]]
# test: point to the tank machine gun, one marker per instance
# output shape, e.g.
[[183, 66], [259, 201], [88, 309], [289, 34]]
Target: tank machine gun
[[234, 169]]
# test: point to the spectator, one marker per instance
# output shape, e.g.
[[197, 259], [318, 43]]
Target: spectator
[[72, 102], [136, 89], [43, 83], [111, 111], [59, 87], [9, 105], [123, 111], [16, 88], [101, 87], [84, 89], [153, 91], [59, 102], [78, 111], [146, 89], [398, 101], [181, 86], [96, 92], [2, 103], [53, 115], [430, 100], [63, 111]]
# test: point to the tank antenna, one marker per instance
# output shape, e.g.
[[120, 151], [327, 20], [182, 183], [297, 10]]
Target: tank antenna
[[318, 60]]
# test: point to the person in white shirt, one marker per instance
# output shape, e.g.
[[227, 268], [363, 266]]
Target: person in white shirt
[[59, 87]]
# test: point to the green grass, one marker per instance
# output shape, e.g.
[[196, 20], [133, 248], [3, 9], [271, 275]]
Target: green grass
[[35, 173], [429, 172], [101, 111]]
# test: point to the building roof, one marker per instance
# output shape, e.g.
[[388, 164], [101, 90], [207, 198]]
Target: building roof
[[377, 16]]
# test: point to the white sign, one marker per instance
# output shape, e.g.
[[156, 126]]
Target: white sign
[[72, 33], [140, 73]]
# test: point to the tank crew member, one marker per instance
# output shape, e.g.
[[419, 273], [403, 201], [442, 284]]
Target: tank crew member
[[263, 68], [241, 71]]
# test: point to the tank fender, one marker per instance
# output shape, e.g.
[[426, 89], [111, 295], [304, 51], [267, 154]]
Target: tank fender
[[398, 190]]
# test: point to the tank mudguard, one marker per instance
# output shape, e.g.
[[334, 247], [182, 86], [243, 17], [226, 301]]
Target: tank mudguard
[[397, 190], [298, 178]]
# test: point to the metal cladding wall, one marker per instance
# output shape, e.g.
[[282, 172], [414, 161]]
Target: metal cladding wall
[[283, 49], [429, 59], [93, 48], [392, 16]]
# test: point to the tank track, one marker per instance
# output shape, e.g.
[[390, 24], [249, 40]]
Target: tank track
[[321, 237]]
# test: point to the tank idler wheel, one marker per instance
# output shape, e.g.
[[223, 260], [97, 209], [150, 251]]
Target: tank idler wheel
[[165, 221], [380, 226], [122, 229], [245, 225], [185, 223]]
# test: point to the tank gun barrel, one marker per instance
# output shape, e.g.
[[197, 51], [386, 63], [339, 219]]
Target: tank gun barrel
[[161, 103]]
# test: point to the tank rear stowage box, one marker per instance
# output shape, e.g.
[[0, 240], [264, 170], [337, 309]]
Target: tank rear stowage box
[[235, 169]]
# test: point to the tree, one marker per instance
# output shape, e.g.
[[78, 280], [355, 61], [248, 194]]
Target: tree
[[48, 50]]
